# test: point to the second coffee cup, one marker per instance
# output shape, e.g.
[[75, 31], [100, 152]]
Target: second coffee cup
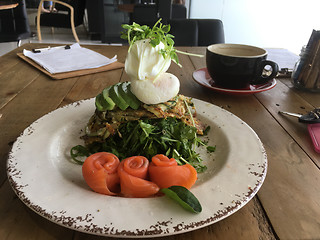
[[237, 66]]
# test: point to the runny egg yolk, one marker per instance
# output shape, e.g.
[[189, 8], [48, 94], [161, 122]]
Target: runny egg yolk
[[162, 89]]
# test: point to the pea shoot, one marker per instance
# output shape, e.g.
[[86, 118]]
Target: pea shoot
[[157, 34]]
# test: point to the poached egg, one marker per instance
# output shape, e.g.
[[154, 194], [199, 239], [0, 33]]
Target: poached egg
[[146, 68], [163, 89]]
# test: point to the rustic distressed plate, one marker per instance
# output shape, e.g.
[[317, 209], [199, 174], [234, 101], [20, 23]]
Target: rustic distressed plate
[[42, 175]]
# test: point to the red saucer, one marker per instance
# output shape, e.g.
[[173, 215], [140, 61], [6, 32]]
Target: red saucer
[[202, 77]]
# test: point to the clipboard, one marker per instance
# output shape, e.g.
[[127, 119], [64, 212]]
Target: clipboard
[[59, 76]]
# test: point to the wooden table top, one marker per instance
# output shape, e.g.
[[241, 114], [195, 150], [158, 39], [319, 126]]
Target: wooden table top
[[286, 206]]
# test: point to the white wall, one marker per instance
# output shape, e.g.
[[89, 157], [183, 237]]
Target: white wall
[[273, 23]]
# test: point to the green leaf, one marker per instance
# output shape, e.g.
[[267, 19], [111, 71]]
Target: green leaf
[[158, 33], [211, 148], [205, 132], [148, 137], [79, 151], [184, 197]]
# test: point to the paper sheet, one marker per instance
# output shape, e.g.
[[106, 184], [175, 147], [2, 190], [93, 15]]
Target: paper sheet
[[60, 60]]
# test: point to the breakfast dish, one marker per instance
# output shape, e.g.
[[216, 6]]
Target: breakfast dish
[[54, 188]]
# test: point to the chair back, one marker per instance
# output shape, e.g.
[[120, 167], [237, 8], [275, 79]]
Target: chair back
[[61, 19], [145, 14], [211, 31], [185, 32], [165, 9], [178, 11], [197, 32]]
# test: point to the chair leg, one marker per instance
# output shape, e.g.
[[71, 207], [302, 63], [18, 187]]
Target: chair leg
[[38, 20], [85, 22], [71, 18], [72, 25]]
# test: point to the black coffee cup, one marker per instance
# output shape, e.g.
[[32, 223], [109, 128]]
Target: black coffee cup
[[237, 66]]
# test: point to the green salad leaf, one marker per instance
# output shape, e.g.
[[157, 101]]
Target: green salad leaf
[[148, 137], [184, 197]]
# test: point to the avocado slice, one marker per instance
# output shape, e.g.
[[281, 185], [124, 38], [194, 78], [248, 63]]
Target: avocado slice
[[115, 96], [128, 96], [101, 103], [110, 104]]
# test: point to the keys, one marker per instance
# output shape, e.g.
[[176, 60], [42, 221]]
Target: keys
[[313, 120], [311, 117]]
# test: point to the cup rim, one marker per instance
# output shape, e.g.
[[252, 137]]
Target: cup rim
[[262, 52]]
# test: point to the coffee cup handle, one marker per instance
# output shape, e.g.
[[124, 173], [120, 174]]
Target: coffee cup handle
[[263, 79]]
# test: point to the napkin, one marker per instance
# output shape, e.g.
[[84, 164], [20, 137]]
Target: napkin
[[66, 59]]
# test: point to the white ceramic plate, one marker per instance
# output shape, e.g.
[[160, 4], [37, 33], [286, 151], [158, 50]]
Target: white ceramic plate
[[42, 175]]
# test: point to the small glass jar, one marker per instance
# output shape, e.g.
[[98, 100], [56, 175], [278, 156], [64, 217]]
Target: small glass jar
[[299, 77]]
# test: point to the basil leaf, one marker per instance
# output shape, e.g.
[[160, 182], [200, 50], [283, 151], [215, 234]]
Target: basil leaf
[[184, 197]]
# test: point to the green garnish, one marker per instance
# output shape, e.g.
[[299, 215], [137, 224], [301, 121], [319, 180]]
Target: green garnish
[[158, 33], [184, 197], [79, 152], [149, 137]]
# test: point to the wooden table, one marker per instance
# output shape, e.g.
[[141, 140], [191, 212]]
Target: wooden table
[[286, 207]]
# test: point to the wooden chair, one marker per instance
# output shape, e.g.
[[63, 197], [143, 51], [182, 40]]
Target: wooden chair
[[68, 19]]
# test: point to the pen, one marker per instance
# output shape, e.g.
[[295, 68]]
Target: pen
[[39, 50]]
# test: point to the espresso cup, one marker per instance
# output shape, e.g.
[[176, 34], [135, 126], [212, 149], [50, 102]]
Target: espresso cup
[[238, 66]]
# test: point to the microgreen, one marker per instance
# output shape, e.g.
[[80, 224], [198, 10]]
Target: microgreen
[[158, 33], [148, 137]]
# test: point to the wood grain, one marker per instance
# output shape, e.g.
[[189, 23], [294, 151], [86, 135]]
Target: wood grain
[[313, 98]]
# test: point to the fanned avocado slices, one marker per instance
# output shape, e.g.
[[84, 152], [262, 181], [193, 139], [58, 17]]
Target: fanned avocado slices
[[117, 95], [128, 96], [101, 104], [109, 102]]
